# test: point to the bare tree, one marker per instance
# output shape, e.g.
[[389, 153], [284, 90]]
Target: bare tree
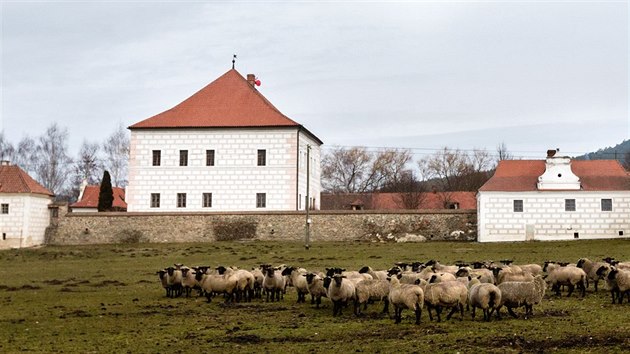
[[116, 149], [24, 155], [356, 170], [455, 170], [6, 149], [626, 161], [87, 166], [53, 162], [503, 153], [410, 192]]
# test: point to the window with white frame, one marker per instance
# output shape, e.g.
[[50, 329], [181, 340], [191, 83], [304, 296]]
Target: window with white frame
[[518, 205], [262, 158], [155, 200], [5, 208], [209, 157], [181, 200], [207, 200], [157, 157], [183, 157], [569, 205], [606, 204], [261, 200]]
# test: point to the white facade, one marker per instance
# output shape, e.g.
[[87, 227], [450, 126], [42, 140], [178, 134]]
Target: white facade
[[25, 223], [544, 216], [235, 179]]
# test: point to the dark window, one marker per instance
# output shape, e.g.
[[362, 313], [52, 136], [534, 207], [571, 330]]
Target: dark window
[[207, 200], [261, 200], [262, 157], [157, 157], [606, 204], [155, 200], [5, 208], [183, 157], [209, 157], [569, 205], [181, 200], [518, 206]]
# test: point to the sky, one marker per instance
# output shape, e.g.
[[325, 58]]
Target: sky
[[408, 74]]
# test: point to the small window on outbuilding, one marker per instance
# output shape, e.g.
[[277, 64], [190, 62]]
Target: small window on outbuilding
[[569, 205], [606, 204], [518, 205]]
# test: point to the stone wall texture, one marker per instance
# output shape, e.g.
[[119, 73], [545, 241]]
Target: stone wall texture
[[94, 228]]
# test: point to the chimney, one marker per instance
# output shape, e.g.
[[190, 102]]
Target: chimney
[[551, 153], [251, 78]]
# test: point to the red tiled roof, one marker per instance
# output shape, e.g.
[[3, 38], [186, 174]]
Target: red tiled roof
[[229, 101], [14, 180], [522, 175], [393, 201], [90, 198]]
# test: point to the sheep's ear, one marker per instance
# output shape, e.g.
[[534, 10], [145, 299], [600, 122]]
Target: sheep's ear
[[479, 277]]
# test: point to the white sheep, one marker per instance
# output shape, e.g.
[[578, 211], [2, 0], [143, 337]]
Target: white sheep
[[486, 296], [405, 296], [619, 284], [522, 293], [188, 281], [213, 283], [376, 274], [340, 291], [316, 288], [567, 276], [259, 276], [591, 268], [274, 283], [174, 279], [450, 294], [371, 290], [298, 281]]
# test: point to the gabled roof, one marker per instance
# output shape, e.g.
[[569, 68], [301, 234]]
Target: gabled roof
[[228, 102], [14, 180], [522, 175], [89, 199]]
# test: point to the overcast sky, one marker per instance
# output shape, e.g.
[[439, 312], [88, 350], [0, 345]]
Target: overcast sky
[[422, 75]]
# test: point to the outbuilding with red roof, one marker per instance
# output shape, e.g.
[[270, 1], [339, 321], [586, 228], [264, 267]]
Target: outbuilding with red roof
[[225, 148], [554, 199], [24, 214]]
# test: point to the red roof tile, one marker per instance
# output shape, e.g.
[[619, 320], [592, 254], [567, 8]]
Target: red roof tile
[[14, 180], [393, 201], [89, 199], [229, 101], [522, 175]]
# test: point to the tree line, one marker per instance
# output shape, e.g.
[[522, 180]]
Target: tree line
[[47, 159], [358, 170]]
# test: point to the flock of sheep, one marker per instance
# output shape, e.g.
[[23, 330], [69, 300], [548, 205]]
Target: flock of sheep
[[485, 285]]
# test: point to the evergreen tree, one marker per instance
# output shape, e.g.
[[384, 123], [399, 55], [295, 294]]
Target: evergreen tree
[[106, 195]]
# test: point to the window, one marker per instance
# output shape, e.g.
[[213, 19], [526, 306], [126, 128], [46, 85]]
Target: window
[[155, 200], [209, 157], [569, 205], [207, 200], [5, 208], [262, 157], [261, 200], [518, 206], [157, 157], [183, 157], [606, 204], [299, 201], [181, 200]]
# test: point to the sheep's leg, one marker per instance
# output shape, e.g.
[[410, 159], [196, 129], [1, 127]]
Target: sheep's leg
[[397, 315], [386, 306], [472, 313], [357, 308], [511, 312], [461, 312], [498, 309], [612, 295], [429, 310], [571, 287], [418, 313], [438, 310], [583, 288], [595, 283]]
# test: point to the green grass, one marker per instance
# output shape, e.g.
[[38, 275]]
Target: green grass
[[107, 298]]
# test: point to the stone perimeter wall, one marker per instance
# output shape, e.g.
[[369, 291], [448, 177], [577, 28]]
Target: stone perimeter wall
[[95, 228]]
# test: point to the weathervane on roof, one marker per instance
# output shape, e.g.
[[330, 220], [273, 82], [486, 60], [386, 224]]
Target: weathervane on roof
[[233, 60]]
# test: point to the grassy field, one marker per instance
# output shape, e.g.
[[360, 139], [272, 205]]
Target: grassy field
[[107, 298]]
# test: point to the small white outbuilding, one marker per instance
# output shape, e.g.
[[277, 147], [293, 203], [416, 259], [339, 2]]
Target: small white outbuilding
[[24, 213], [554, 199]]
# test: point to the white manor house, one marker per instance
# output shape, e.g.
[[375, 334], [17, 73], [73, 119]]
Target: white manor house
[[554, 199], [225, 148]]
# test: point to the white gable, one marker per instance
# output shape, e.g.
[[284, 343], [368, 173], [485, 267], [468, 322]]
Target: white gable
[[558, 175]]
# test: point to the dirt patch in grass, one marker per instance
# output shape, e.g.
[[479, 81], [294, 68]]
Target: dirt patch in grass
[[581, 342], [76, 313], [108, 283], [23, 287]]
